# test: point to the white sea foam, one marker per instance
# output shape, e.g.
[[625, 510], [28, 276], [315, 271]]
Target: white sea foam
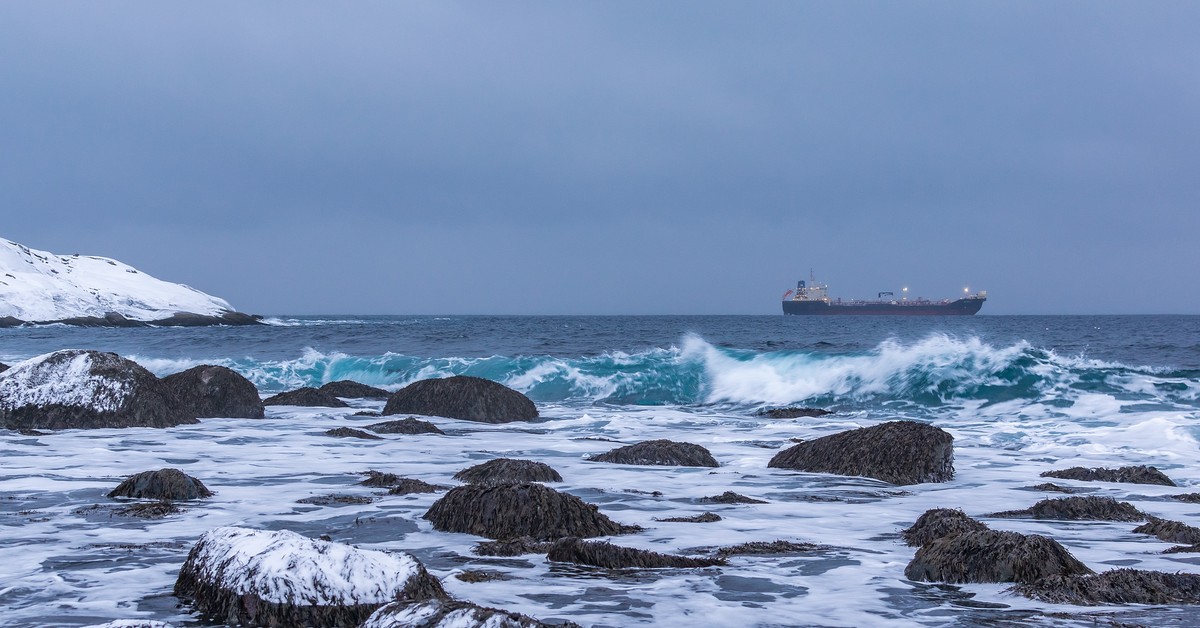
[[35, 382]]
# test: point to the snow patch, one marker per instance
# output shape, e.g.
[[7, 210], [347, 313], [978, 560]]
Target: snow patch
[[283, 567], [38, 286]]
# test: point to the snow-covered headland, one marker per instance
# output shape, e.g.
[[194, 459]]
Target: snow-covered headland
[[41, 287]]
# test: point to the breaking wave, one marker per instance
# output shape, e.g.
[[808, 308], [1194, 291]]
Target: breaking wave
[[935, 370]]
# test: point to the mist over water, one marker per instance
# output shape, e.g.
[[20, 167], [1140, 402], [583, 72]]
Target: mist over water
[[1021, 395]]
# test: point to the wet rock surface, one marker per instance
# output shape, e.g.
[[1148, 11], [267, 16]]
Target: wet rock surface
[[609, 556], [765, 548], [353, 390], [792, 413], [900, 452], [939, 523], [163, 484], [462, 397], [335, 500], [379, 479], [1119, 586], [508, 471], [508, 511], [1078, 508], [209, 391], [405, 426], [350, 432], [992, 556], [660, 452], [1140, 474], [306, 397], [85, 390], [448, 613]]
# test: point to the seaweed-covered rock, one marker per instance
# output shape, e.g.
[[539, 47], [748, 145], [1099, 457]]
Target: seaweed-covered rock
[[730, 497], [512, 547], [332, 500], [900, 452], [1170, 531], [85, 390], [166, 484], [379, 479], [940, 522], [149, 510], [447, 613], [1183, 549], [1051, 487], [764, 548], [1191, 498], [992, 556], [1140, 474], [505, 511], [307, 397], [660, 452], [408, 486], [609, 556], [508, 471], [481, 575], [280, 578], [707, 517], [353, 390], [1078, 508], [349, 432], [1119, 586], [215, 391], [405, 426], [792, 413], [462, 397]]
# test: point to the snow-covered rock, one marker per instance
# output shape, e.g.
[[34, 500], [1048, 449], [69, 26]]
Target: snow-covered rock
[[36, 286], [280, 578], [442, 613], [85, 389]]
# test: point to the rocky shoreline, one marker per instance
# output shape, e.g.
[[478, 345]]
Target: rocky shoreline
[[234, 575], [113, 319]]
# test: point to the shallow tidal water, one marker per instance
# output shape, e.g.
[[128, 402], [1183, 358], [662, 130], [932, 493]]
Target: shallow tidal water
[[1021, 395]]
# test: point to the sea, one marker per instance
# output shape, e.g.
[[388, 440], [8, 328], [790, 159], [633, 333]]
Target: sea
[[1020, 394]]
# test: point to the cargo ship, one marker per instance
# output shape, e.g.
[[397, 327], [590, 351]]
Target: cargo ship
[[812, 298]]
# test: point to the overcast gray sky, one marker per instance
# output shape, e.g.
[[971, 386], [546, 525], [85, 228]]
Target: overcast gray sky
[[612, 157]]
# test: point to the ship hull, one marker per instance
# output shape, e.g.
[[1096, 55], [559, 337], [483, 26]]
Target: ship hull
[[961, 307]]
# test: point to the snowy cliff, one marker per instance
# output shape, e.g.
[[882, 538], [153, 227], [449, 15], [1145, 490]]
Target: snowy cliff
[[36, 286]]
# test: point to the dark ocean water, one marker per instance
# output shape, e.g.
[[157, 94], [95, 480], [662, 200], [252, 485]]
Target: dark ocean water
[[1020, 394]]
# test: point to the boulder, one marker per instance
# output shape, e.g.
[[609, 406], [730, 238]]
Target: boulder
[[280, 578], [462, 397], [508, 471], [448, 613], [1118, 586], [938, 523], [609, 556], [164, 484], [792, 413], [1170, 531], [407, 486], [1078, 508], [660, 452], [210, 391], [992, 556], [765, 548], [707, 517], [1130, 475], [349, 432], [405, 426], [308, 397], [512, 547], [353, 390], [730, 497], [900, 452], [83, 390], [505, 511]]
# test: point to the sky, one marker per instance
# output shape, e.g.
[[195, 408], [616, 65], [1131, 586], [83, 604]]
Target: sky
[[617, 157]]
